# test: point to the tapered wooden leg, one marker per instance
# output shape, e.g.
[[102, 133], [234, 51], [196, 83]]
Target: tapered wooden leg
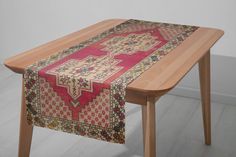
[[149, 128], [144, 115], [204, 73], [26, 131]]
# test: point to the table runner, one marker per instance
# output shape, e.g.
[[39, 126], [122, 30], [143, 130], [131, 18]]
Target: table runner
[[81, 90]]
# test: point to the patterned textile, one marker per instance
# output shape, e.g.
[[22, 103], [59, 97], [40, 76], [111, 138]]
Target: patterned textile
[[81, 90]]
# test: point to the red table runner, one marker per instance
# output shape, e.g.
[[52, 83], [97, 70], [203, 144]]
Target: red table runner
[[81, 90]]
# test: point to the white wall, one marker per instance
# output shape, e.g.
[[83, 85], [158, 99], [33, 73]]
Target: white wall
[[25, 24], [223, 79]]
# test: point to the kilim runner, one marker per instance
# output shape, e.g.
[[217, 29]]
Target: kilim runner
[[81, 90]]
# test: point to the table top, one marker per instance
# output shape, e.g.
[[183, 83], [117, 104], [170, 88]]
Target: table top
[[162, 76]]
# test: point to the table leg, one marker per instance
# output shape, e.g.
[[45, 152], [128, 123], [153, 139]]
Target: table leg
[[144, 114], [26, 131], [204, 73], [149, 128]]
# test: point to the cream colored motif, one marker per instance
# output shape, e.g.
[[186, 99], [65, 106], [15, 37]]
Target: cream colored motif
[[78, 75], [130, 44]]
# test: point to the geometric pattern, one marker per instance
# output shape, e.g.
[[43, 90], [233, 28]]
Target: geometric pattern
[[169, 33], [71, 73], [81, 90], [52, 105], [130, 44], [97, 111]]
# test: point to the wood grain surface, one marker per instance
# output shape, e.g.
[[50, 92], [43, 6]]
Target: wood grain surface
[[157, 80]]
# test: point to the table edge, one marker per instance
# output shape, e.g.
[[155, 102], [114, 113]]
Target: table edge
[[165, 87]]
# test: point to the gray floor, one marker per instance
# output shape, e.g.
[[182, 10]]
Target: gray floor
[[179, 129]]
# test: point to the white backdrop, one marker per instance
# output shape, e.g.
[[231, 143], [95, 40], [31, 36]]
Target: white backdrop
[[25, 24]]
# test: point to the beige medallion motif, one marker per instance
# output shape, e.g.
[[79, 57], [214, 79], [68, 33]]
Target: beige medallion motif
[[130, 44], [77, 75]]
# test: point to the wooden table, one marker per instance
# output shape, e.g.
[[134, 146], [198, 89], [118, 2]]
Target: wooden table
[[146, 89]]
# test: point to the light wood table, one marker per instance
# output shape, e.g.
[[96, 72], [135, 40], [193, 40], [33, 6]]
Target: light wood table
[[146, 89]]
